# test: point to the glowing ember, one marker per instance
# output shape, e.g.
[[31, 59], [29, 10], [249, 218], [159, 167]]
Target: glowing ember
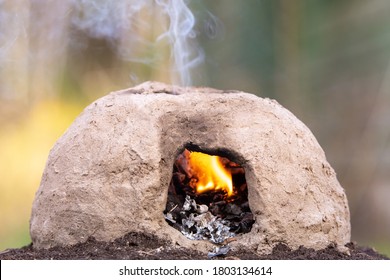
[[208, 173], [208, 198]]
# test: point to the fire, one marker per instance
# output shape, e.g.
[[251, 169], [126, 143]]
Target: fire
[[208, 173]]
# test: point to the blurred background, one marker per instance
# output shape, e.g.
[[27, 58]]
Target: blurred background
[[327, 61]]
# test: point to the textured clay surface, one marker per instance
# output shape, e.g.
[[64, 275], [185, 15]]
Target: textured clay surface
[[109, 173]]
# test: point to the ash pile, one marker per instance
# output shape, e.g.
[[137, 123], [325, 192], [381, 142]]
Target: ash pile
[[210, 215]]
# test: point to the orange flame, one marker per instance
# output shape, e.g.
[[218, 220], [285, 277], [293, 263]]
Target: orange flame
[[209, 173]]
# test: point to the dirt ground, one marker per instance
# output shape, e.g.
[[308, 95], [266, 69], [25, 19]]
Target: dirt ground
[[137, 246]]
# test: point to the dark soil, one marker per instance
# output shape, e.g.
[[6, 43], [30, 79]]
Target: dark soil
[[137, 246]]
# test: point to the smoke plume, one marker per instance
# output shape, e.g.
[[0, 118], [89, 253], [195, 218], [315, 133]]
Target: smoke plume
[[38, 32]]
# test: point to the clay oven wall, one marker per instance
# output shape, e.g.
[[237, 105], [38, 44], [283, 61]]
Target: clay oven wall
[[109, 173]]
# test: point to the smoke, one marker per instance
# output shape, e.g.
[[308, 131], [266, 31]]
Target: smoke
[[132, 23], [151, 32], [182, 36], [8, 36]]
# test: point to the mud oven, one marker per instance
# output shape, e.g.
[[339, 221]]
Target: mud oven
[[196, 166]]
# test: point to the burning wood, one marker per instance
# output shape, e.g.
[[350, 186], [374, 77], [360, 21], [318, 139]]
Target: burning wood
[[207, 198]]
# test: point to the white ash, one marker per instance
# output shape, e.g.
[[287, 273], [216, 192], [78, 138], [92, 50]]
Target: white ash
[[223, 250], [198, 223], [170, 218]]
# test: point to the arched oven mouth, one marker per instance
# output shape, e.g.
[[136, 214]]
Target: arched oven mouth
[[208, 196]]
